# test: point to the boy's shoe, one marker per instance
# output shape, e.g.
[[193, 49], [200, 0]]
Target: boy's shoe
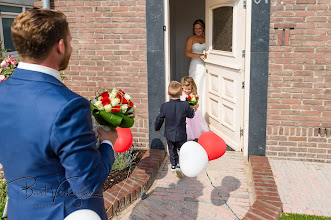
[[179, 172], [173, 168]]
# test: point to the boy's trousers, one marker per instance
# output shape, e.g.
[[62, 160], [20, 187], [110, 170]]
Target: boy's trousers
[[173, 147]]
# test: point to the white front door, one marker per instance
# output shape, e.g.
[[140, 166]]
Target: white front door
[[225, 44]]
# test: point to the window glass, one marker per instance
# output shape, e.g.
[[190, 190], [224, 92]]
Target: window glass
[[5, 8], [222, 28], [6, 23]]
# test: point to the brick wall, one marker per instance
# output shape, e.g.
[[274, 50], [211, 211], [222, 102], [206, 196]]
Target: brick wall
[[109, 50], [299, 96]]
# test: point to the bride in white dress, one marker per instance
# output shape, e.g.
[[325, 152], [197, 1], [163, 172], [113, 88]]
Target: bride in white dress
[[195, 46]]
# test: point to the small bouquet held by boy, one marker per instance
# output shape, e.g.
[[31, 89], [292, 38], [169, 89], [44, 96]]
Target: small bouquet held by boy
[[114, 109]]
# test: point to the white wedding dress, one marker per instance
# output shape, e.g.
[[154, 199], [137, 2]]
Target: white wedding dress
[[197, 72]]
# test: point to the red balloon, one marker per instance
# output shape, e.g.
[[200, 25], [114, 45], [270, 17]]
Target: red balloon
[[213, 144], [124, 140]]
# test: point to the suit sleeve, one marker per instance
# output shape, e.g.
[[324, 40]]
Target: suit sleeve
[[160, 119], [74, 141], [189, 111]]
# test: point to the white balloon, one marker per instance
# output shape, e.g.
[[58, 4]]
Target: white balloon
[[193, 159], [83, 214]]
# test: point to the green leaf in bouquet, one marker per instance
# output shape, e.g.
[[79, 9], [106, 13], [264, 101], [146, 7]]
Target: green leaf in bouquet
[[127, 122], [97, 116], [193, 102], [111, 118]]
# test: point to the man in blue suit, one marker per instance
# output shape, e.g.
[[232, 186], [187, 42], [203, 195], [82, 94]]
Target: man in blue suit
[[47, 145]]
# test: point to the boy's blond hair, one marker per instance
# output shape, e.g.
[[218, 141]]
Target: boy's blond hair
[[175, 89]]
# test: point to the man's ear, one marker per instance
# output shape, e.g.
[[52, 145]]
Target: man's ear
[[61, 46]]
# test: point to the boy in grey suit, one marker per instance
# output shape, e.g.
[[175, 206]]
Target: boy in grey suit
[[175, 113]]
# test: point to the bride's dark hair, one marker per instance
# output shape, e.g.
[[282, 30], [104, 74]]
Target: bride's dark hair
[[199, 21]]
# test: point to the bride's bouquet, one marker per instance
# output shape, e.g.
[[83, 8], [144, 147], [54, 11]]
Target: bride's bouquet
[[113, 108], [192, 99]]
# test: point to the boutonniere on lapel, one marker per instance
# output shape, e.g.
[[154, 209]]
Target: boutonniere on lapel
[[192, 99]]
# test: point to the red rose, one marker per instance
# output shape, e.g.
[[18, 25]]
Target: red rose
[[122, 93], [118, 96], [105, 94], [105, 101], [188, 97], [131, 104], [116, 108], [124, 101]]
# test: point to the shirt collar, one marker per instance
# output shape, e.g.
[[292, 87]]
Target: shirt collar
[[39, 68]]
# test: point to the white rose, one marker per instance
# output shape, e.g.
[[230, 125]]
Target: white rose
[[132, 109], [108, 108], [99, 98], [124, 108], [193, 99], [115, 101], [99, 105], [127, 97], [93, 101], [4, 63], [114, 91], [112, 96]]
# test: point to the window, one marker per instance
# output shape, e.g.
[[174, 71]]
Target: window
[[222, 28], [8, 13]]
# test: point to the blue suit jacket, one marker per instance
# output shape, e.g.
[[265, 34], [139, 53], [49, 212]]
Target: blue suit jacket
[[175, 113], [47, 148]]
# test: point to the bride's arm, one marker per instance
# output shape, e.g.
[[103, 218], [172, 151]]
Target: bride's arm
[[188, 49]]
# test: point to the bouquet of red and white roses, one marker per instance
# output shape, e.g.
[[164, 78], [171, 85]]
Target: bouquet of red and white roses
[[192, 99], [113, 108]]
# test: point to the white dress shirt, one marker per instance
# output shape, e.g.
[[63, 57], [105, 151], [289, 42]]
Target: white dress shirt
[[39, 68]]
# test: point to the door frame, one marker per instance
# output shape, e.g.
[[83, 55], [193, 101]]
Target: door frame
[[257, 45], [245, 107]]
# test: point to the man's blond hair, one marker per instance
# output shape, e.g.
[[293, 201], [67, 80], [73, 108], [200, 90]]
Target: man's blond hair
[[175, 89]]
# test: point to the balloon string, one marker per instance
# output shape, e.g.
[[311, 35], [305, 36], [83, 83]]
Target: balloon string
[[221, 196]]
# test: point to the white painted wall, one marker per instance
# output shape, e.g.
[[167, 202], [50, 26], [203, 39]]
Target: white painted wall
[[183, 13]]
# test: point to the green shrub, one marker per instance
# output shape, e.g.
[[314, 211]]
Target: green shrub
[[123, 160], [3, 194], [289, 216]]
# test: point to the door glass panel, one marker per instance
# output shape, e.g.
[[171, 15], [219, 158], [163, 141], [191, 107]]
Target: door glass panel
[[6, 23], [5, 8], [222, 28]]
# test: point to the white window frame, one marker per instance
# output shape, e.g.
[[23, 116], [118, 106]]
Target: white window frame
[[10, 15]]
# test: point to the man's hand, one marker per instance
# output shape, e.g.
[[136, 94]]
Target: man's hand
[[158, 131], [110, 135]]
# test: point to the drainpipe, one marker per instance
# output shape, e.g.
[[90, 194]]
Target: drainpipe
[[46, 4]]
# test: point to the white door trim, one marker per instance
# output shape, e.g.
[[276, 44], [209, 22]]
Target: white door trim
[[247, 75], [166, 46]]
